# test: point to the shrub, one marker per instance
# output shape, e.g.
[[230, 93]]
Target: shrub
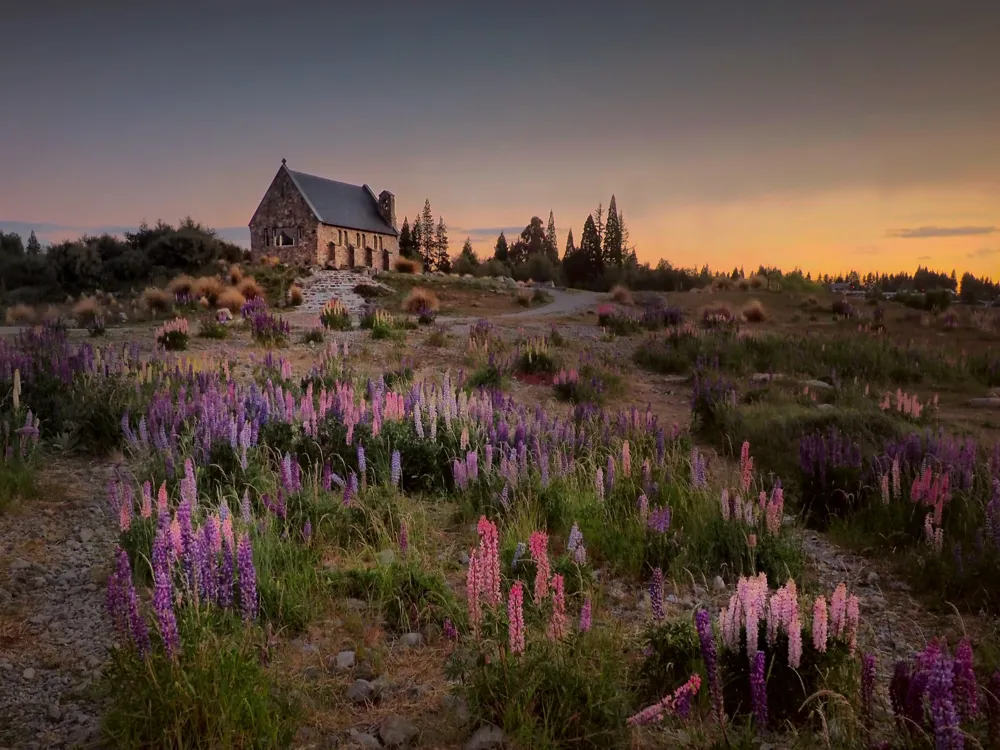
[[524, 297], [753, 312], [313, 336], [86, 310], [534, 358], [19, 314], [173, 335], [721, 283], [294, 295], [382, 324], [156, 300], [249, 288], [438, 338], [621, 295], [335, 316], [717, 316], [235, 274], [841, 308], [407, 265], [231, 299], [97, 327], [421, 300], [212, 328], [268, 329], [758, 282], [207, 287], [181, 286]]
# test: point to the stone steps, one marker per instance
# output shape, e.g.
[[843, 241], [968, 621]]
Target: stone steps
[[324, 285]]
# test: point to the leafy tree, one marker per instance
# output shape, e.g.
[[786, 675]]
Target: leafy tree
[[11, 245], [34, 247], [501, 251], [551, 243], [442, 261], [612, 241]]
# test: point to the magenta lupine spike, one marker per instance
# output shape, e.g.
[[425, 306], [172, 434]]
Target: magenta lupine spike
[[247, 578], [586, 613], [538, 543], [163, 595]]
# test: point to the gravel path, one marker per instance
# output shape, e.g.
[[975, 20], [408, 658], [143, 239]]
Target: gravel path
[[55, 555]]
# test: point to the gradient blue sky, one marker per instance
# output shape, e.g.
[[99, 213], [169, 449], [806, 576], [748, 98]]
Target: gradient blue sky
[[828, 135]]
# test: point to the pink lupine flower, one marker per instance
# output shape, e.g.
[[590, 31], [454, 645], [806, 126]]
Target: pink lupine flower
[[515, 616], [896, 488], [585, 615], [538, 543], [746, 466], [227, 531], [557, 623], [885, 489], [146, 508], [853, 615], [819, 629], [489, 554], [794, 643], [599, 483], [838, 610], [751, 540], [125, 512], [162, 504], [643, 508]]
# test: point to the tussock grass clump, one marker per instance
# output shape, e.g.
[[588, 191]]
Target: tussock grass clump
[[721, 284], [420, 300], [231, 299], [621, 295], [207, 287], [754, 312], [407, 265], [294, 295], [249, 288], [758, 282], [182, 285], [19, 314], [235, 274], [743, 285], [156, 300], [525, 297], [87, 310]]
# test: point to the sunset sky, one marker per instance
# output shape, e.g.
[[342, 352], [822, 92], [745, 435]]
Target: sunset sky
[[829, 135]]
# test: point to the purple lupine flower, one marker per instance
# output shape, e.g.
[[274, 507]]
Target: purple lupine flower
[[661, 448], [449, 630], [351, 488], [115, 599], [184, 521], [758, 691], [609, 476], [189, 487], [307, 531], [488, 465], [247, 577], [245, 514], [703, 623], [656, 594], [225, 585], [575, 545], [395, 469], [585, 615], [519, 551], [404, 537], [163, 595], [944, 717], [867, 688], [966, 693], [659, 520], [362, 463]]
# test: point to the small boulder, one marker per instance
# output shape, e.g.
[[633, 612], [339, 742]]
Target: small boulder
[[397, 732], [486, 738], [345, 660], [386, 557], [412, 640], [361, 691], [819, 385], [363, 740], [985, 403]]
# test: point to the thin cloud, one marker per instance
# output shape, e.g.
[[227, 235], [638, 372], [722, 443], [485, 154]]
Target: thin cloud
[[923, 257], [984, 252], [867, 250], [482, 234], [933, 231]]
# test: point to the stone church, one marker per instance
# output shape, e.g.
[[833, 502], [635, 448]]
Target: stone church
[[307, 220]]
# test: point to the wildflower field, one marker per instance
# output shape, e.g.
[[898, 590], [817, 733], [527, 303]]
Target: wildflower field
[[654, 527]]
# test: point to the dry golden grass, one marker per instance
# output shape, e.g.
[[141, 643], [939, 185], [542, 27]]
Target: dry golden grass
[[294, 295], [407, 265], [208, 287], [156, 300], [249, 288], [270, 260], [420, 298], [754, 312], [51, 314], [232, 299], [621, 294], [182, 284], [19, 314], [87, 310], [235, 274], [524, 297]]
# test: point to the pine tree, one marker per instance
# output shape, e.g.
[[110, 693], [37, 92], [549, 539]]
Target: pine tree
[[405, 239], [612, 241], [570, 247], [468, 253], [551, 243], [501, 251], [627, 249], [34, 247], [442, 261], [590, 246], [416, 241], [598, 217], [427, 235]]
